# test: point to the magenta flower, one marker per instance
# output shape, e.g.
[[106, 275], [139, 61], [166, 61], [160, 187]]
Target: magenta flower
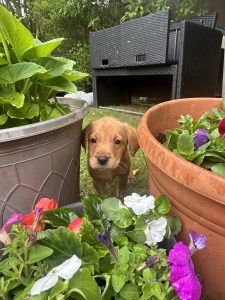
[[221, 127], [197, 242], [182, 274], [13, 219], [201, 137]]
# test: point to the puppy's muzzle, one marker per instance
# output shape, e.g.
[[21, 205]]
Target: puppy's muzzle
[[102, 160]]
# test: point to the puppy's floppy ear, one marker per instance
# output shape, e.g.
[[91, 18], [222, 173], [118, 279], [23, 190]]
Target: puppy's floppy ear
[[84, 138], [132, 139]]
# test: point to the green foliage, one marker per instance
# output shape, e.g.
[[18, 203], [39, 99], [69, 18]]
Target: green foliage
[[211, 154], [124, 275], [181, 10], [30, 76]]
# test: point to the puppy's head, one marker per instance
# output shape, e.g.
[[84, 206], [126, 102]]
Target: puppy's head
[[107, 140]]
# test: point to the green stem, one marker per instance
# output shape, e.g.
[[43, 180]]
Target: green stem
[[6, 50], [27, 85]]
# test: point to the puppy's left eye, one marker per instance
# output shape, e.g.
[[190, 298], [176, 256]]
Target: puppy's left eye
[[93, 140], [117, 141]]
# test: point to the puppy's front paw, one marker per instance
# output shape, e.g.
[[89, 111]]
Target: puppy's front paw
[[131, 176]]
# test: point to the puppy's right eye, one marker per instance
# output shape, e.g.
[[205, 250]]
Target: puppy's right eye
[[93, 140]]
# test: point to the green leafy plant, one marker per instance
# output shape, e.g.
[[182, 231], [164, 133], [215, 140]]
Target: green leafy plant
[[30, 76], [201, 141], [107, 252]]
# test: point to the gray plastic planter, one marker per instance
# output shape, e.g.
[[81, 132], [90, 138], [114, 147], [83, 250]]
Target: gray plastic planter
[[41, 160]]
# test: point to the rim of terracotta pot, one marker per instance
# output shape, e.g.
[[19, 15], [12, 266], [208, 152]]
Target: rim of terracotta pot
[[79, 108], [150, 145]]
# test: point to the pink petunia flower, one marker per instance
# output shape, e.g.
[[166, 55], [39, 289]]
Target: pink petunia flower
[[182, 273], [13, 219], [221, 127]]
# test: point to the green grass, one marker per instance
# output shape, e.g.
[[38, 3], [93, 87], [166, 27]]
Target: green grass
[[140, 185]]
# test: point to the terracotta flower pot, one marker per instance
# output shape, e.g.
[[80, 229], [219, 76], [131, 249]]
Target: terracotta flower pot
[[197, 195]]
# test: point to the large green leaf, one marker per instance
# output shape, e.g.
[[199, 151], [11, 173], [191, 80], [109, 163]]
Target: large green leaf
[[64, 243], [122, 218], [42, 50], [53, 66], [59, 84], [60, 216], [73, 75], [109, 206], [19, 71], [23, 112], [13, 98], [38, 252], [92, 207], [3, 119], [84, 282], [15, 33]]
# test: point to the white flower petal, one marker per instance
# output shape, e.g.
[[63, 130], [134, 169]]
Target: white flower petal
[[44, 284], [155, 231], [139, 204], [68, 268]]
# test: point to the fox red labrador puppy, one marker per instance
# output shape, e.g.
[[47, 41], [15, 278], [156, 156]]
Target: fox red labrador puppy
[[108, 140]]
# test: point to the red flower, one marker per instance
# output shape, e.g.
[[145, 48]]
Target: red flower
[[75, 224], [43, 203], [221, 127], [46, 204]]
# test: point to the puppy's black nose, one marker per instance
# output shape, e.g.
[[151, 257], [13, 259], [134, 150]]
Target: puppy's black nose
[[102, 160]]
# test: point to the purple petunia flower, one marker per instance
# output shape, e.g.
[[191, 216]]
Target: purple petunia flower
[[152, 260], [201, 137], [197, 242], [221, 127], [182, 274], [105, 239]]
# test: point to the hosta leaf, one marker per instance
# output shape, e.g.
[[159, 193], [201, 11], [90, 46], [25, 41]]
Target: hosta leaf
[[60, 216], [37, 253], [55, 113], [73, 75], [3, 119], [19, 71], [59, 84], [22, 113], [53, 66], [15, 32], [44, 49], [3, 61], [84, 282], [219, 169], [185, 144], [12, 98]]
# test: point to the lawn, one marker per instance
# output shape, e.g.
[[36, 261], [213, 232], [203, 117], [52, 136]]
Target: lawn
[[140, 185]]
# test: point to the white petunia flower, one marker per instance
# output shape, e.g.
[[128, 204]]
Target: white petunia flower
[[155, 231], [66, 271], [139, 204]]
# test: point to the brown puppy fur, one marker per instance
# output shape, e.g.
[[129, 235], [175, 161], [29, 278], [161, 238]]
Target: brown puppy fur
[[107, 140]]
